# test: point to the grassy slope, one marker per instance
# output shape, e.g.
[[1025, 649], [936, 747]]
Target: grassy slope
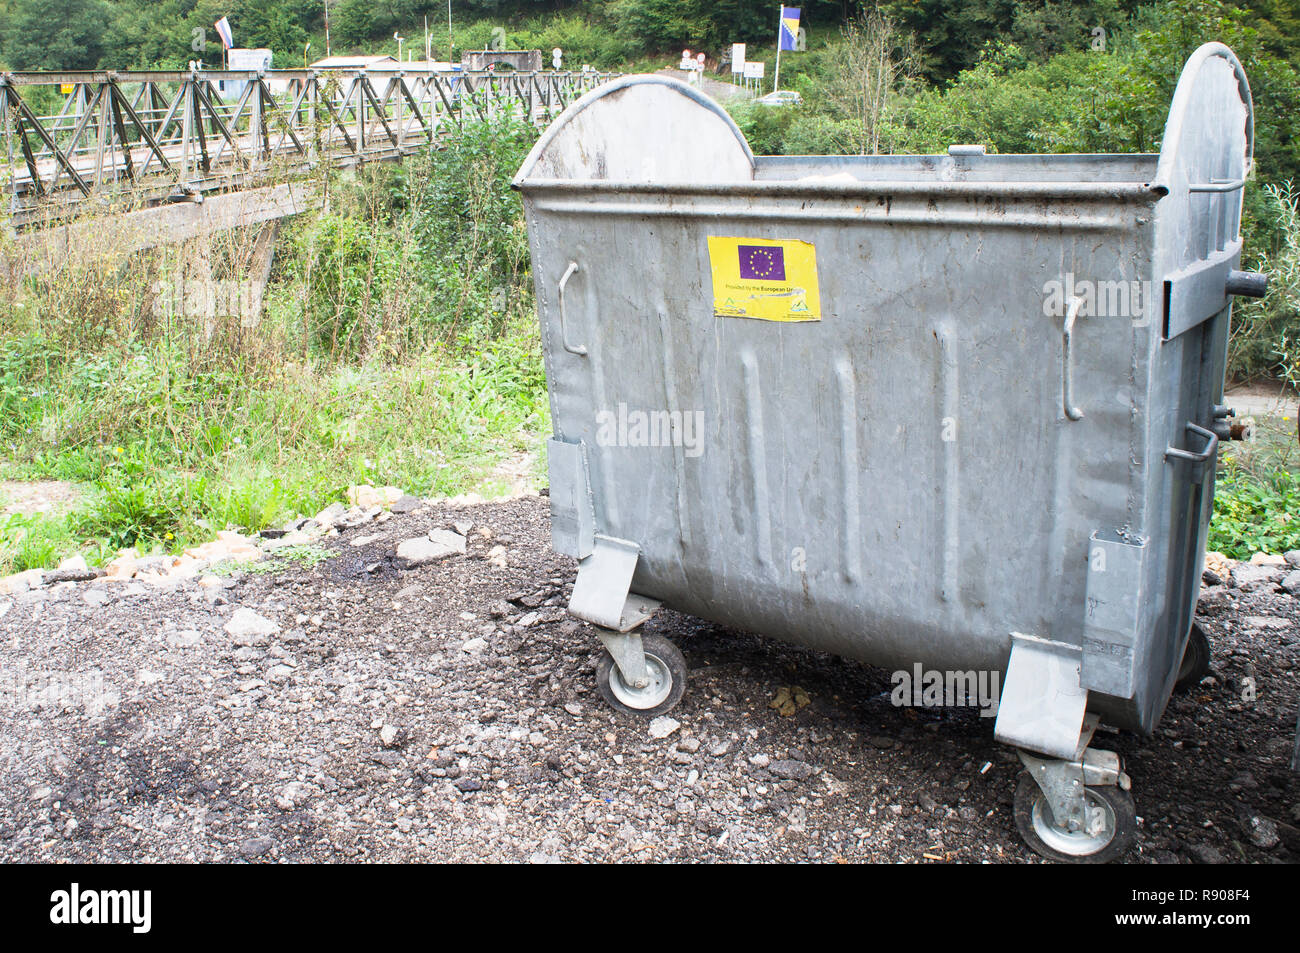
[[166, 460]]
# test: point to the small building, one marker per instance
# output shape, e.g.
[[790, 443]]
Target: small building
[[431, 66], [381, 65]]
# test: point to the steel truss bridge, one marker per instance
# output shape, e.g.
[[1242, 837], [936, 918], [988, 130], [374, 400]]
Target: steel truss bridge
[[154, 139]]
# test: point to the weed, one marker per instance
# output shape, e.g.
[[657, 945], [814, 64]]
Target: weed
[[1256, 513]]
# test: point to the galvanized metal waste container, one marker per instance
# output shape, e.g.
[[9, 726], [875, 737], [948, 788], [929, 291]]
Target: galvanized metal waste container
[[957, 411]]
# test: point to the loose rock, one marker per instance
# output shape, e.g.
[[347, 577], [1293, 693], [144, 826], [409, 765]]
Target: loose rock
[[423, 550], [1262, 832], [1248, 577], [247, 627], [663, 726], [790, 770], [256, 846]]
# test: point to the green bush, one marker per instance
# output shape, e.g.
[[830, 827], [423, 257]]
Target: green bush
[[138, 508], [467, 228], [350, 263], [671, 25], [1013, 105], [1266, 331], [765, 127], [582, 41], [32, 542], [1255, 513]]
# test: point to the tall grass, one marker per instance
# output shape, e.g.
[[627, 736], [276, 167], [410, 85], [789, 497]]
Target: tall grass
[[397, 346]]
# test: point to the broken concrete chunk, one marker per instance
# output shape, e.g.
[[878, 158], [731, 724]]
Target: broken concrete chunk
[[423, 550], [247, 627]]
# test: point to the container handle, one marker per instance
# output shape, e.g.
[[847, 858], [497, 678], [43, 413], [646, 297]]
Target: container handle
[[1067, 360], [1211, 446], [577, 349], [1224, 185]]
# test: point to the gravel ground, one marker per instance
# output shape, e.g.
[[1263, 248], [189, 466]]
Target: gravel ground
[[449, 712]]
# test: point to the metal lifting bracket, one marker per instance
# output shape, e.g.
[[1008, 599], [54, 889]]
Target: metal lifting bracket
[[602, 596]]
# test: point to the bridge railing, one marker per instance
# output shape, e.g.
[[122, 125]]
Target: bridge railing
[[167, 136]]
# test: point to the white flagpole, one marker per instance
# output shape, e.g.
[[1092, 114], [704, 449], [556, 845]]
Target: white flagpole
[[776, 81]]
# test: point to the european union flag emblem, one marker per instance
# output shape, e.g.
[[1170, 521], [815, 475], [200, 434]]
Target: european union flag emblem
[[762, 262]]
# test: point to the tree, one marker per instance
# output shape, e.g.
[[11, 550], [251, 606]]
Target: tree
[[54, 34], [660, 25], [953, 33], [863, 73], [352, 22], [274, 25], [152, 37]]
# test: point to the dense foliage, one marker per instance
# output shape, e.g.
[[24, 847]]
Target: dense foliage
[[1256, 514], [408, 256]]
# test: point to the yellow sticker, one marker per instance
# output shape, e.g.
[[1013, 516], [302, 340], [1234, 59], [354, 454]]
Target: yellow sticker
[[772, 280]]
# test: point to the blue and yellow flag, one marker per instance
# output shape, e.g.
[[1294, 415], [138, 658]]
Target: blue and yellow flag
[[789, 28]]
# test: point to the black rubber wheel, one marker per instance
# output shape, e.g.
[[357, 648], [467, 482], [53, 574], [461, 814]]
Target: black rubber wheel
[[1036, 826], [1196, 660], [667, 669]]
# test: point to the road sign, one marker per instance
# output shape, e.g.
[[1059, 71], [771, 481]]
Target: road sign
[[738, 57], [755, 70]]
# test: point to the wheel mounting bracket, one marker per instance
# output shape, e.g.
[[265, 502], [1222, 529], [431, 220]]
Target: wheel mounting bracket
[[602, 596], [628, 654], [1063, 782]]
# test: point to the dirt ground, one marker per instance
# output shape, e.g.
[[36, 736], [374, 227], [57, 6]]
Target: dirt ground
[[43, 496], [1269, 399], [448, 712]]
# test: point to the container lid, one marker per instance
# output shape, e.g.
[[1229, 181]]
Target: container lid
[[640, 129]]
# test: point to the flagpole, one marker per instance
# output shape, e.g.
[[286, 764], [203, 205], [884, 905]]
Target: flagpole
[[776, 81]]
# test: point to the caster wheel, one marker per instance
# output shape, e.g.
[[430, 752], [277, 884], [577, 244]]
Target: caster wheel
[[1036, 825], [1196, 660], [667, 670]]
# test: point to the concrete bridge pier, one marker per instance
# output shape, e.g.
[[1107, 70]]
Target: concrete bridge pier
[[259, 272]]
